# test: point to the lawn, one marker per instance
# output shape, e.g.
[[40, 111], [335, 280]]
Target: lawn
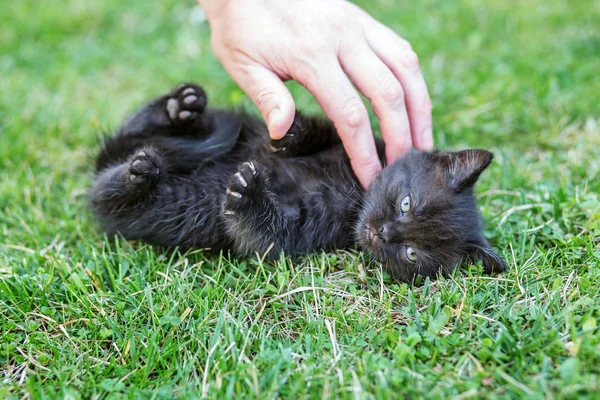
[[83, 315]]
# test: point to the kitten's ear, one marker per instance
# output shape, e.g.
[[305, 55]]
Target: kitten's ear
[[462, 168], [492, 262]]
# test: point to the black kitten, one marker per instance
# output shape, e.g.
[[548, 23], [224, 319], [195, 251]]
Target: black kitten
[[177, 174], [419, 216]]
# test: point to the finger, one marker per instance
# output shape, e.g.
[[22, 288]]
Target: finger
[[340, 102], [375, 80], [397, 54], [270, 95]]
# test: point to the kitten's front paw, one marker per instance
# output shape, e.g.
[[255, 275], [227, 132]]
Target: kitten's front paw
[[245, 188], [288, 145], [186, 103], [283, 146], [144, 166]]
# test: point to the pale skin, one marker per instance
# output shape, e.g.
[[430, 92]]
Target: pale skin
[[334, 49]]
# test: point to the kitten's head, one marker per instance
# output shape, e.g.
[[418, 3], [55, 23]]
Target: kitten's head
[[420, 217]]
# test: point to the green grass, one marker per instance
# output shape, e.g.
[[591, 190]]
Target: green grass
[[83, 315]]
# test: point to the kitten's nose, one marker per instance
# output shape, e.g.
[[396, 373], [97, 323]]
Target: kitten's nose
[[383, 232]]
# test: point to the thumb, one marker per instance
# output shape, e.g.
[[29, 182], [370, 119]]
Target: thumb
[[271, 96]]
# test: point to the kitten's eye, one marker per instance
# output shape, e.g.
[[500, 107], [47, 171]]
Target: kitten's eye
[[411, 255], [405, 205]]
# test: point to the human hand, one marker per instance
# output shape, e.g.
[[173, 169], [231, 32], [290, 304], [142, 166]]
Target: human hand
[[324, 45]]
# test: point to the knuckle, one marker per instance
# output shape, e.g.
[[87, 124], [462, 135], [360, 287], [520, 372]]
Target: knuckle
[[335, 19], [337, 24], [314, 48], [391, 91], [353, 113], [306, 67], [409, 59], [265, 97]]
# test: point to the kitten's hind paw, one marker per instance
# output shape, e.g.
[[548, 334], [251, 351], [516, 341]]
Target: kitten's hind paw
[[144, 166], [245, 188], [186, 103]]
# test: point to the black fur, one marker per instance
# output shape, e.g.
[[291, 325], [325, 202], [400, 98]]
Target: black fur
[[178, 174]]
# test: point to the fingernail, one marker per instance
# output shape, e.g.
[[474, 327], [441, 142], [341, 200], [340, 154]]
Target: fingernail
[[273, 120]]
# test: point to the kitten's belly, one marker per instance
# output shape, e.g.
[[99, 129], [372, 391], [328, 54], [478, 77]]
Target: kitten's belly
[[323, 197]]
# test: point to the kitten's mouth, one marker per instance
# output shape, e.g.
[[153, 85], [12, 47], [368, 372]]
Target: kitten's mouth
[[371, 234]]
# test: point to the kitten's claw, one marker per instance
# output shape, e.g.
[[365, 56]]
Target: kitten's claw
[[245, 187], [277, 150], [283, 145], [294, 143], [234, 194], [241, 179], [185, 103], [251, 166]]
